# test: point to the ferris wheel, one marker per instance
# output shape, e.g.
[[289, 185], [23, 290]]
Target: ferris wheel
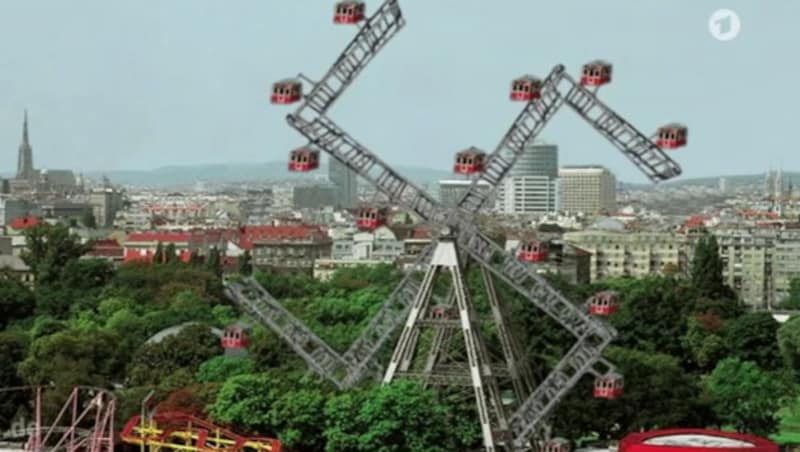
[[457, 354]]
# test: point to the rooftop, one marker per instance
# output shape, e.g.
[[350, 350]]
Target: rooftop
[[24, 222], [697, 440]]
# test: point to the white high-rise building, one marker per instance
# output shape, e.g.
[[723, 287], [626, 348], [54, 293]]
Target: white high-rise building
[[532, 184], [587, 189]]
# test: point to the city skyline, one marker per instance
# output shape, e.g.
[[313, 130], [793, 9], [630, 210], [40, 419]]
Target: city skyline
[[193, 86]]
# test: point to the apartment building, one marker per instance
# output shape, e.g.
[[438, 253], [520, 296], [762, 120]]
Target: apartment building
[[615, 253], [587, 189], [286, 248], [760, 263]]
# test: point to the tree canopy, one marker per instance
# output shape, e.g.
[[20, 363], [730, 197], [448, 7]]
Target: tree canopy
[[744, 396]]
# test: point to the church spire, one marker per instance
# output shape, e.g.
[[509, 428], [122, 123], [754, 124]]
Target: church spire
[[25, 156], [25, 129]]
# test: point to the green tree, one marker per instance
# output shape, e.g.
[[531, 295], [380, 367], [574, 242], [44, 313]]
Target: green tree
[[658, 393], [154, 362], [793, 300], [73, 357], [745, 397], [16, 300], [754, 337], [191, 400], [707, 269], [170, 254], [789, 343], [401, 416], [274, 404], [154, 286], [88, 219], [77, 289], [653, 313], [245, 263], [158, 256], [194, 259], [49, 248], [705, 346], [214, 261], [13, 348], [220, 368]]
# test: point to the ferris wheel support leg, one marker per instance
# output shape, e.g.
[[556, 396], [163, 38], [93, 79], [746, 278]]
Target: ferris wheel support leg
[[521, 377]]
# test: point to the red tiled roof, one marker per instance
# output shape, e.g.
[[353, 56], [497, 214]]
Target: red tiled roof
[[163, 237], [420, 233], [697, 220], [250, 234], [760, 213], [24, 222]]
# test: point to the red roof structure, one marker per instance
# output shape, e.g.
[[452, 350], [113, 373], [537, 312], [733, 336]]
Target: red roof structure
[[420, 233], [251, 234], [163, 237], [108, 248], [24, 222], [694, 440], [140, 246]]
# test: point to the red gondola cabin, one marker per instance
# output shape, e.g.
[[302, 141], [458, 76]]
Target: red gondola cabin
[[608, 386], [234, 337], [604, 303], [444, 312], [671, 136], [348, 12], [371, 218], [557, 445], [303, 159], [469, 162], [533, 251], [596, 73], [526, 88], [286, 91]]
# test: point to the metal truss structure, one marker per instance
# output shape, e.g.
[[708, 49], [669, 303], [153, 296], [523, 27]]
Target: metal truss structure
[[85, 422], [460, 242]]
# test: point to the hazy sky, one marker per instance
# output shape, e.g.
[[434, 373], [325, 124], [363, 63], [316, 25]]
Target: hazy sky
[[148, 83]]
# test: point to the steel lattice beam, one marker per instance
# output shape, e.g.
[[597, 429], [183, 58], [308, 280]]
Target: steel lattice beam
[[375, 33]]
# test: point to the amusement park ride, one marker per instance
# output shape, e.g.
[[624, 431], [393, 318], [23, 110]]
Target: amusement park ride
[[414, 304]]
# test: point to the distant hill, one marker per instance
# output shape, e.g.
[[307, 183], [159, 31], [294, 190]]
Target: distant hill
[[275, 171], [731, 181], [237, 172]]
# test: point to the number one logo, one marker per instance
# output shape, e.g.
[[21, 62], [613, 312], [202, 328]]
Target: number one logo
[[724, 25]]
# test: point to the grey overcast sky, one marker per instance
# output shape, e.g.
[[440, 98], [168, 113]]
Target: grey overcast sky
[[149, 83]]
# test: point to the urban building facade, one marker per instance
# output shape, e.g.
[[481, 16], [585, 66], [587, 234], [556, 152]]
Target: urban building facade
[[587, 189], [105, 202], [532, 183], [452, 190], [287, 248], [11, 208], [639, 254], [313, 196], [760, 263], [345, 183]]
